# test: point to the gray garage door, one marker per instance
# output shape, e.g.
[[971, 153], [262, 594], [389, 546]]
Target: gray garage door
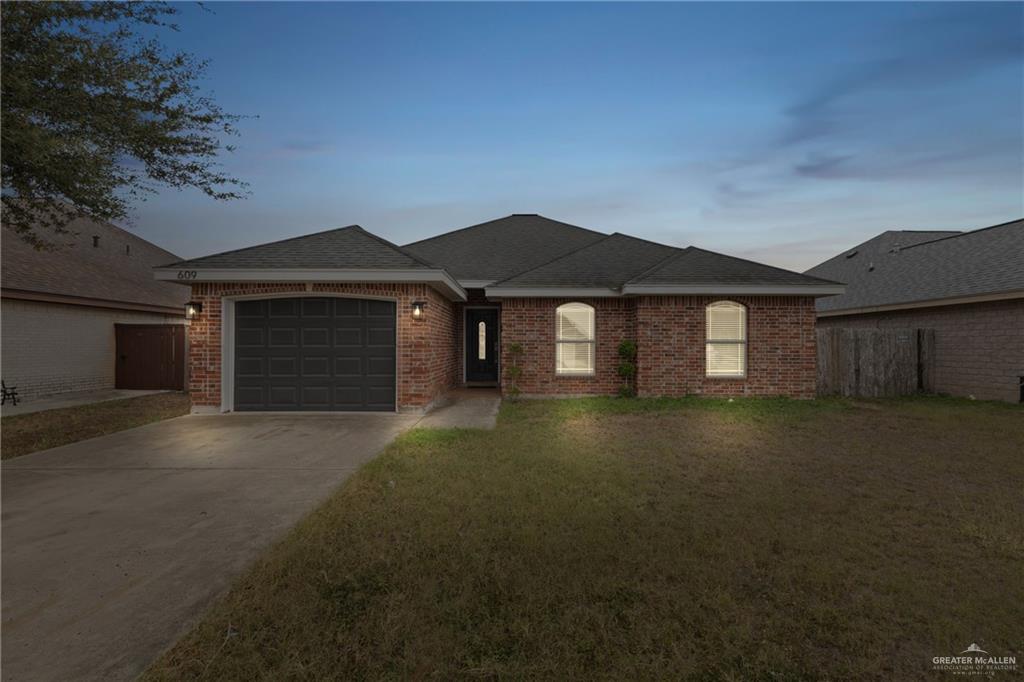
[[315, 354]]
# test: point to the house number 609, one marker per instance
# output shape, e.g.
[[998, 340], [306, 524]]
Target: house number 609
[[186, 274]]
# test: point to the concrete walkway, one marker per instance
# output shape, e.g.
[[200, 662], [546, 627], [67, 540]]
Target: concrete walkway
[[467, 408], [55, 402], [114, 547]]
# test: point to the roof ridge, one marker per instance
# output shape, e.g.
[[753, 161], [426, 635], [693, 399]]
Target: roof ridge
[[256, 246], [765, 265], [396, 247], [641, 239], [664, 261], [556, 258], [494, 220], [962, 233]]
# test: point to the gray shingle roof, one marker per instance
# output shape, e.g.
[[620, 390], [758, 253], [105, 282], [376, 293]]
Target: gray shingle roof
[[929, 265], [118, 269], [501, 248], [606, 263], [694, 266], [344, 248]]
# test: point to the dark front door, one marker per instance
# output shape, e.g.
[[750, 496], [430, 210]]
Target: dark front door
[[315, 354], [482, 345], [150, 356]]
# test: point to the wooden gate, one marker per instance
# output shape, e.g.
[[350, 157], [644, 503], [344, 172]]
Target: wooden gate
[[150, 356], [874, 363]]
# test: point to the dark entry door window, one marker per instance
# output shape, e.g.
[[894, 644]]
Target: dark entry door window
[[482, 345]]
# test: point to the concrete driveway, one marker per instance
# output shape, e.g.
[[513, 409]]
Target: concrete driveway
[[113, 547]]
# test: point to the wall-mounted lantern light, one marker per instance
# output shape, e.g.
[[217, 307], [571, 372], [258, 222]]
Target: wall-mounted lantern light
[[192, 310], [417, 309]]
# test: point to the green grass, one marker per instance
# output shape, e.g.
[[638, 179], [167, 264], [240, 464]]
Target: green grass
[[635, 539], [26, 433]]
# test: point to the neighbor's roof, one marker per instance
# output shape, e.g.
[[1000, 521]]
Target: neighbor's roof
[[501, 248], [346, 248], [119, 269], [899, 267], [607, 263]]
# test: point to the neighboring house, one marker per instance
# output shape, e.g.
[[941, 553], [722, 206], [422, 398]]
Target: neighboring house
[[89, 315], [967, 286], [344, 320]]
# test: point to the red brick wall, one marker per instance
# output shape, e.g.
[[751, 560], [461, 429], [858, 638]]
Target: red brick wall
[[531, 323], [669, 330], [979, 347], [426, 364], [781, 347]]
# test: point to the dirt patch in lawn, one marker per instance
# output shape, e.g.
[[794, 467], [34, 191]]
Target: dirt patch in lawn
[[25, 433], [647, 540]]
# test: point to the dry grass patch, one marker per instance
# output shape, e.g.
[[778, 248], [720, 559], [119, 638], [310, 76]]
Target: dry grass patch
[[609, 539], [26, 433]]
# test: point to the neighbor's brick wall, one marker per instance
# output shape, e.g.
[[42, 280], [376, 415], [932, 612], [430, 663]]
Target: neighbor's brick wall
[[669, 331], [781, 347], [426, 364], [531, 323], [50, 348], [979, 347]]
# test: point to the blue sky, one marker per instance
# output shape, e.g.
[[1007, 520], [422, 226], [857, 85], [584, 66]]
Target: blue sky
[[779, 132]]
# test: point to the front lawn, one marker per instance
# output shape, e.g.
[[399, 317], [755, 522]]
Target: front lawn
[[24, 433], [616, 539]]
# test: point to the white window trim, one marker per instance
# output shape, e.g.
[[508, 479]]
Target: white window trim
[[740, 342], [592, 341]]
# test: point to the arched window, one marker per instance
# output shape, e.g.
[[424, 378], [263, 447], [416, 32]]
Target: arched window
[[726, 340], [574, 339]]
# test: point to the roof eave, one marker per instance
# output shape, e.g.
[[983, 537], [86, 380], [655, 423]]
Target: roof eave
[[748, 289], [550, 292], [439, 279]]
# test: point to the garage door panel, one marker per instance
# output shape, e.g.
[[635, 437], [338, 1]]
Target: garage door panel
[[379, 395], [380, 337], [250, 367], [245, 309], [316, 337], [283, 337], [348, 337], [283, 367], [316, 367], [283, 397], [348, 367], [316, 307], [250, 338], [348, 396], [249, 395], [381, 366], [284, 308], [348, 307], [316, 397], [315, 354]]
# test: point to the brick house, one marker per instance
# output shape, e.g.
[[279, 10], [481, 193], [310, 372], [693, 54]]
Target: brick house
[[88, 315], [967, 286], [344, 320]]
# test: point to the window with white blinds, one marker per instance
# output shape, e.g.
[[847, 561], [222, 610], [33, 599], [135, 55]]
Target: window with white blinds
[[574, 343], [726, 334]]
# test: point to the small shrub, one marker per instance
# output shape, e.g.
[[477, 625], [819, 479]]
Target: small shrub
[[627, 368], [514, 371]]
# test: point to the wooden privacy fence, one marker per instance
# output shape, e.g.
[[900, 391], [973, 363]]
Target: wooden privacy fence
[[874, 363]]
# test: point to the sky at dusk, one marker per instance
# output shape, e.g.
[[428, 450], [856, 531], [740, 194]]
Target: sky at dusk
[[778, 132]]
